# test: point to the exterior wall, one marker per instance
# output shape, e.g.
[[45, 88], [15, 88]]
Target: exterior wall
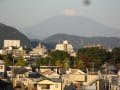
[[65, 46], [2, 68], [32, 87], [59, 47], [17, 52], [90, 78], [68, 79], [39, 50], [8, 43], [56, 86], [94, 46], [53, 85], [81, 80]]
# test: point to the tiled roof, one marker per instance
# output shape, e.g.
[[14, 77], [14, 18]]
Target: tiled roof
[[55, 79], [34, 75], [20, 71]]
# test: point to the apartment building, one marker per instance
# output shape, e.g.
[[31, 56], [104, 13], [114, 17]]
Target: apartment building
[[9, 43]]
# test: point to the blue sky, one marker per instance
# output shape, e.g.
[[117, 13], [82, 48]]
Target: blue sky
[[25, 13]]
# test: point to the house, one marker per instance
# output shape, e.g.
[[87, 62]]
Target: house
[[39, 50], [114, 83], [109, 68], [37, 81], [50, 73], [49, 84], [9, 43], [74, 78], [2, 68]]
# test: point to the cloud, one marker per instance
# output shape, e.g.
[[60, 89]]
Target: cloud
[[70, 12]]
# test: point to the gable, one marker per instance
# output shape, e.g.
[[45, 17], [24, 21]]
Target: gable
[[46, 82]]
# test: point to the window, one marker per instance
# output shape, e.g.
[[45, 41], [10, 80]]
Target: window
[[21, 76], [45, 86], [1, 67]]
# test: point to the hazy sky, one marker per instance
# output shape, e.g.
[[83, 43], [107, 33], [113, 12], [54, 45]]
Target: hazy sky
[[24, 13]]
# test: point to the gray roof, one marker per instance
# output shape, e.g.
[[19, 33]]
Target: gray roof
[[20, 71], [55, 79], [41, 77]]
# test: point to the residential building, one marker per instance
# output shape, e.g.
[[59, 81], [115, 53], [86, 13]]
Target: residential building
[[2, 68], [50, 71], [9, 43], [73, 78], [39, 50], [19, 51], [65, 46], [36, 81], [100, 46]]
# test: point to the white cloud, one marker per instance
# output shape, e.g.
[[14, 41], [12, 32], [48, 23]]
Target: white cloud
[[70, 12]]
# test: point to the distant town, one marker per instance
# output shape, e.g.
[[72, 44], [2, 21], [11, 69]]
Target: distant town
[[92, 67]]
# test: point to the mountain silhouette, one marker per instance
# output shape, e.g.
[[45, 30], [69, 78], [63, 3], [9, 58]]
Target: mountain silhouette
[[76, 25]]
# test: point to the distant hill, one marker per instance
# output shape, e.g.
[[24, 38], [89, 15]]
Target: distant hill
[[79, 42], [8, 32], [76, 25]]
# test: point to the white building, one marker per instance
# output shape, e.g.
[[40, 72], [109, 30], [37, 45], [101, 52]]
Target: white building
[[9, 43], [65, 46], [100, 46], [39, 50]]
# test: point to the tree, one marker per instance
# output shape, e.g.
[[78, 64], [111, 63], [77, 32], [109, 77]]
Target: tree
[[58, 55], [94, 55], [58, 63], [116, 55], [43, 61], [66, 63], [80, 64], [8, 59], [20, 61]]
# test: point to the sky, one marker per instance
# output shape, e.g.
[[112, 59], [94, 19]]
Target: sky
[[25, 13]]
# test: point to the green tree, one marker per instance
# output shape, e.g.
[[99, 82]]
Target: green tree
[[116, 55], [58, 63], [43, 61], [8, 59], [20, 61], [80, 64], [94, 55], [58, 55], [66, 63]]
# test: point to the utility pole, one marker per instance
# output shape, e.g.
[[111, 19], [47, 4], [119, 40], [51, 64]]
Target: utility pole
[[92, 67], [13, 61]]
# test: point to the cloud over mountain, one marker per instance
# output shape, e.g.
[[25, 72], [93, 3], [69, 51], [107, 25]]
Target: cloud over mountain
[[70, 12]]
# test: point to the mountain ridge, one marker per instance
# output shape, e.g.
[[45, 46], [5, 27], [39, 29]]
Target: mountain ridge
[[8, 32], [76, 25], [79, 41]]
